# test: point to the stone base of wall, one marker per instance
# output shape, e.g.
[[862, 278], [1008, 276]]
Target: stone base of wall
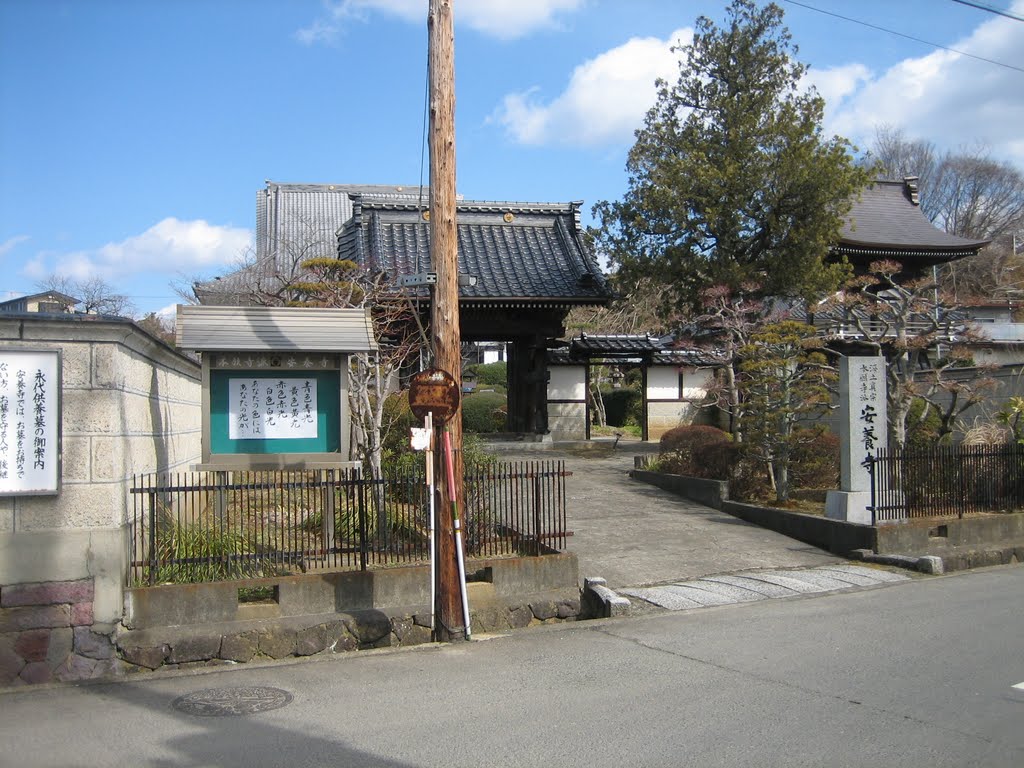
[[47, 634], [264, 640]]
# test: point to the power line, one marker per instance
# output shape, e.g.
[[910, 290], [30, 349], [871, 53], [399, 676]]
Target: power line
[[990, 9], [908, 37]]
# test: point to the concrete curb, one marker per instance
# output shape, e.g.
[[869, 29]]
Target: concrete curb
[[602, 602], [923, 564]]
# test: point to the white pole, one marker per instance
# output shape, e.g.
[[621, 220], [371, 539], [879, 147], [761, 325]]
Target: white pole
[[430, 491]]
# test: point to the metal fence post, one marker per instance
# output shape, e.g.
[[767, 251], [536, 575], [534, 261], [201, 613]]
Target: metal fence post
[[361, 501], [152, 537], [537, 501], [874, 504]]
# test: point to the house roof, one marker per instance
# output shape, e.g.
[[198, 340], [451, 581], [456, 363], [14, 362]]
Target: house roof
[[886, 221], [54, 295], [530, 253], [250, 329]]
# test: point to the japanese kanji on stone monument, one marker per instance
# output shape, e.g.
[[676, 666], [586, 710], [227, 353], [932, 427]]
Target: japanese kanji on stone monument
[[863, 428]]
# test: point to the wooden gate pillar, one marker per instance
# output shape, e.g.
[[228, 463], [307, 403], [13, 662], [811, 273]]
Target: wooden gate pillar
[[527, 386]]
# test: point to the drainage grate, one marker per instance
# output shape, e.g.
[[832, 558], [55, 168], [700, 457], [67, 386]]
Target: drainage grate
[[229, 702]]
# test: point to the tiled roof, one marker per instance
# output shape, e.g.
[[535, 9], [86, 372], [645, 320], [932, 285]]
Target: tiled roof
[[530, 252], [616, 343], [631, 348], [887, 221]]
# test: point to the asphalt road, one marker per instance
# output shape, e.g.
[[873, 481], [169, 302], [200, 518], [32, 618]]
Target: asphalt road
[[913, 673]]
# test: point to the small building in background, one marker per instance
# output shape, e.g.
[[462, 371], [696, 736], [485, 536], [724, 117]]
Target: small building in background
[[47, 302]]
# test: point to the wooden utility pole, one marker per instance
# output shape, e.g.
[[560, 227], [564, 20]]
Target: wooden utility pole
[[444, 307]]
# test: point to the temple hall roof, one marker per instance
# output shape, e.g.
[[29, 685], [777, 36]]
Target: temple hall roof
[[886, 221], [525, 253]]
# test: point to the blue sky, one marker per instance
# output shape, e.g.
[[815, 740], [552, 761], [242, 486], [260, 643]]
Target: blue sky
[[135, 133]]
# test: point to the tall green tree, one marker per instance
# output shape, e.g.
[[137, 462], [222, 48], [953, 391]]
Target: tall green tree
[[731, 180]]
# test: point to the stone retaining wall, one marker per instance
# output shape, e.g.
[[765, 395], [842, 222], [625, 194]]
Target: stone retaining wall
[[129, 404], [199, 624], [270, 639]]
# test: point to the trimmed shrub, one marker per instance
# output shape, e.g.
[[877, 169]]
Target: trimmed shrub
[[484, 412], [680, 450], [922, 428], [491, 374], [735, 462], [815, 459]]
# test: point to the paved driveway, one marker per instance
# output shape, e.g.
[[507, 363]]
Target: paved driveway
[[633, 534]]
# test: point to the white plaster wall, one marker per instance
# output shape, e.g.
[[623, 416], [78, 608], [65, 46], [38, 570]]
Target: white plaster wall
[[663, 383], [567, 382]]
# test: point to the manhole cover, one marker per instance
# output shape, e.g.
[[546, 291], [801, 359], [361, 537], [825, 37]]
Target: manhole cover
[[227, 702]]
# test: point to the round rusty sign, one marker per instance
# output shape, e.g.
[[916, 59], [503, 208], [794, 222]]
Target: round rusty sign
[[434, 391]]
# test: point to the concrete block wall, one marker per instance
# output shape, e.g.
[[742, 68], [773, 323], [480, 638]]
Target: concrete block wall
[[567, 421], [129, 404]]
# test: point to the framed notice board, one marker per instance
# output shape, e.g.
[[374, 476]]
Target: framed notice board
[[30, 411], [275, 411]]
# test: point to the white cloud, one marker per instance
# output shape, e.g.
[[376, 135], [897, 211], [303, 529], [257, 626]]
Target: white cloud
[[503, 19], [11, 243], [170, 246], [605, 101], [945, 97]]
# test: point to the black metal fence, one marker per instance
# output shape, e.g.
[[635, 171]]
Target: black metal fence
[[946, 482], [221, 525]]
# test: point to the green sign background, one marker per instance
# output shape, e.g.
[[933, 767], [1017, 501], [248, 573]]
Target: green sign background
[[328, 417]]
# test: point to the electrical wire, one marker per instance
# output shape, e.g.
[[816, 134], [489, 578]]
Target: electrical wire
[[908, 37], [990, 9]]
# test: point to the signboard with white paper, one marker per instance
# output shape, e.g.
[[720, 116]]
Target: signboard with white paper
[[271, 408], [29, 421]]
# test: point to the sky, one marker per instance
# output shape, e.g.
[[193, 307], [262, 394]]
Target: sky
[[135, 134]]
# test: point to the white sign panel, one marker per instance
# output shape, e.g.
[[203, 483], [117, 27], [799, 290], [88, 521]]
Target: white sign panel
[[29, 421], [261, 408]]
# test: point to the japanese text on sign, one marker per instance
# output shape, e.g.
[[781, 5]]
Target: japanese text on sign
[[866, 395], [261, 408], [29, 416]]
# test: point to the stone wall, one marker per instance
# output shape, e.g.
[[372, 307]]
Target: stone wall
[[177, 625], [129, 404]]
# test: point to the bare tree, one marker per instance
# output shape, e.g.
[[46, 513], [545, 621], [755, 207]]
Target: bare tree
[[95, 295], [327, 281], [158, 326], [898, 157], [921, 335], [976, 196]]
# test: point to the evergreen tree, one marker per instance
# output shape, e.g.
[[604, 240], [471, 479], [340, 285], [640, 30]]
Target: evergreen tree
[[731, 180]]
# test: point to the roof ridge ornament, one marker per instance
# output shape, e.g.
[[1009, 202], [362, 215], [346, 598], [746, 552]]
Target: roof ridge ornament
[[912, 191]]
